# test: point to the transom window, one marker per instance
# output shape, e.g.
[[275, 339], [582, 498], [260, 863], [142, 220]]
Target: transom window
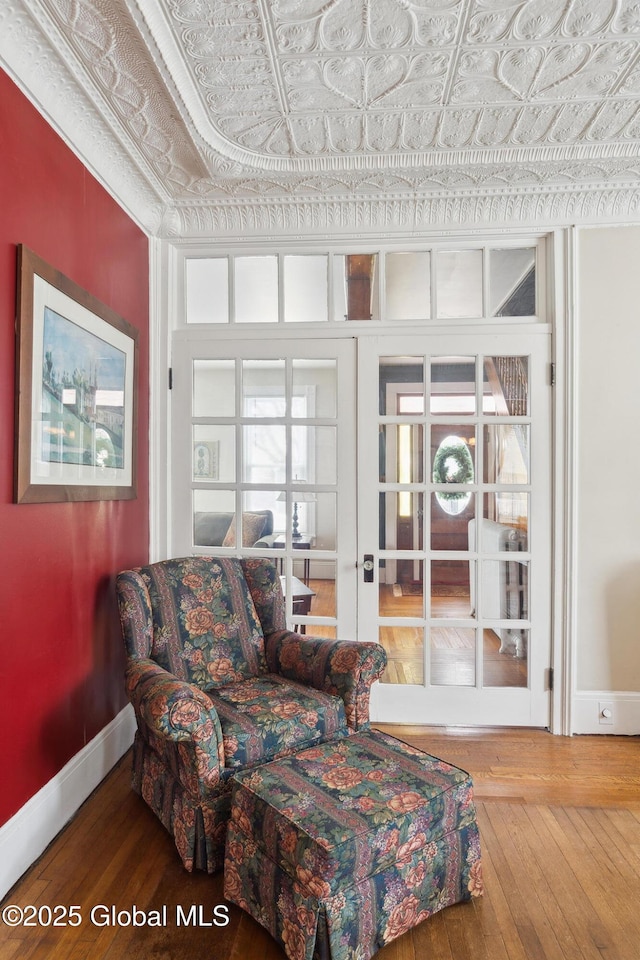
[[444, 285]]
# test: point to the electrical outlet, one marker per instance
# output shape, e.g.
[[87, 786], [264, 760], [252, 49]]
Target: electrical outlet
[[605, 711]]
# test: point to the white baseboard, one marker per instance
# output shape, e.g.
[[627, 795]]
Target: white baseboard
[[624, 706], [34, 826]]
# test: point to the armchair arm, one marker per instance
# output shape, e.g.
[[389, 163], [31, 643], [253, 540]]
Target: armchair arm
[[266, 542], [344, 668], [175, 710]]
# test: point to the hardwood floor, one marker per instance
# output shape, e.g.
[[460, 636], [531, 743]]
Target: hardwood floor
[[452, 653], [453, 658], [560, 827]]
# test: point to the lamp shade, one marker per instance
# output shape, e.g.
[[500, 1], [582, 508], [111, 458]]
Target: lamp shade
[[298, 496], [303, 496]]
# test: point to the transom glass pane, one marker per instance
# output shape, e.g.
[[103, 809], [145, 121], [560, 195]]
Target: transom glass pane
[[408, 286], [207, 290], [410, 403], [355, 287], [256, 289], [459, 284], [512, 282], [295, 287], [305, 289]]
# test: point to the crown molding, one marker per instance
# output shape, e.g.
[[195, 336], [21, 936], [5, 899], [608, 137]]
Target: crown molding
[[444, 212], [33, 62], [105, 77]]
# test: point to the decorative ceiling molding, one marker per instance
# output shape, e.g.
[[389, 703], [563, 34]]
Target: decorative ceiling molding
[[29, 56], [276, 117], [445, 213], [307, 85]]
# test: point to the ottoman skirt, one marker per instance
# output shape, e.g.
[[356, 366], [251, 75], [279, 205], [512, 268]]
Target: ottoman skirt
[[346, 846]]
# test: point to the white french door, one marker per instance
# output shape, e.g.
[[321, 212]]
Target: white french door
[[442, 485], [454, 440], [263, 442]]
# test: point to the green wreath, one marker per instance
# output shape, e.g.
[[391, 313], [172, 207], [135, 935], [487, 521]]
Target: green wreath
[[452, 464]]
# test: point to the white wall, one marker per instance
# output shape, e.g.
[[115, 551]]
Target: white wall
[[607, 634]]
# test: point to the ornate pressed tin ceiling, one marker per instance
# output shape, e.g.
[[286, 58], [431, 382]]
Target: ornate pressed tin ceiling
[[320, 116]]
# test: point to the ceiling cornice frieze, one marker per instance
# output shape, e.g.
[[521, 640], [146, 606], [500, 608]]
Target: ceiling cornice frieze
[[295, 116], [362, 217]]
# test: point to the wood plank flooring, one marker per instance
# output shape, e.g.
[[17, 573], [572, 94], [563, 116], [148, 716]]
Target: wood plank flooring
[[452, 649], [560, 827]]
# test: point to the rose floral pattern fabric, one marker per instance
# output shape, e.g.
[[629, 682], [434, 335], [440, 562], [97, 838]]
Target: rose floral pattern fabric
[[205, 626], [271, 717], [196, 631], [199, 827], [174, 712], [344, 669], [266, 590], [345, 846]]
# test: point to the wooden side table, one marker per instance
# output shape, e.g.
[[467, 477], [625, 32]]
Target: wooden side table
[[301, 598], [303, 542]]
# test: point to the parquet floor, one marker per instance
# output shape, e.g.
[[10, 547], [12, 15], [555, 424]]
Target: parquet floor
[[560, 827]]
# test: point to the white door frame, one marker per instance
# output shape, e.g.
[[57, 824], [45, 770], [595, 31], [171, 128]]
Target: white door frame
[[167, 309]]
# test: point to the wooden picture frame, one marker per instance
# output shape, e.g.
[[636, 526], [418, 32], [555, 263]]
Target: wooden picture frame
[[76, 388]]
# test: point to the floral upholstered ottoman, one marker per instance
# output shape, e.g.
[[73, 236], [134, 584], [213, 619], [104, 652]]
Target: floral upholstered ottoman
[[345, 846]]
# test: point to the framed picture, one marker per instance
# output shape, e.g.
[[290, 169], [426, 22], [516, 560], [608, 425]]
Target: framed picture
[[76, 384], [206, 460]]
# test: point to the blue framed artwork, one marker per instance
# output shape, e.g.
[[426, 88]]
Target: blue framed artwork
[[75, 391]]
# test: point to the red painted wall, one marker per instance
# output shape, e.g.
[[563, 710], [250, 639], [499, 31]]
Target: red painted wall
[[61, 656]]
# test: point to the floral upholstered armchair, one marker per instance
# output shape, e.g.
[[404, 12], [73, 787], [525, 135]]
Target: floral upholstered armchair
[[218, 684]]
